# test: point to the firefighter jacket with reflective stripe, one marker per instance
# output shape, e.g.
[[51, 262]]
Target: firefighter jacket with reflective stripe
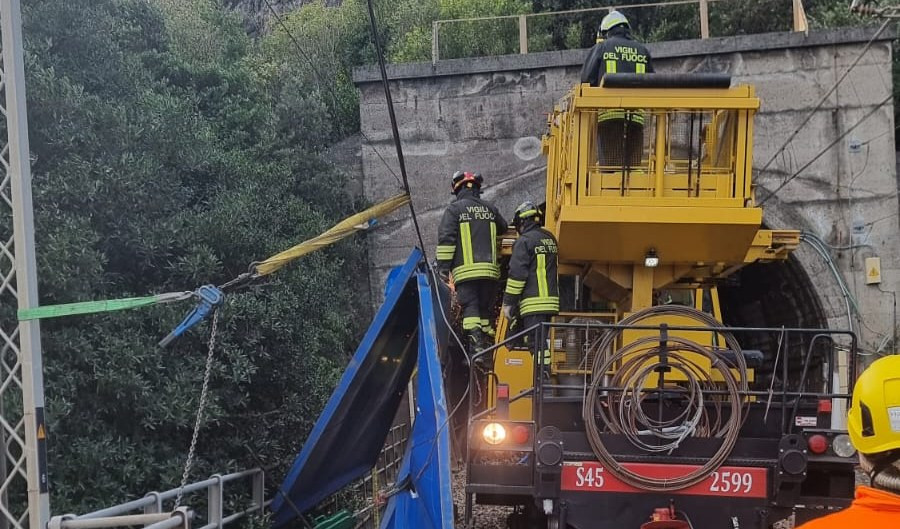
[[872, 508], [467, 238], [619, 53], [532, 272]]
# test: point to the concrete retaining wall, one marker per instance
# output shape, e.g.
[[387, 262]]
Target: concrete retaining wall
[[487, 115]]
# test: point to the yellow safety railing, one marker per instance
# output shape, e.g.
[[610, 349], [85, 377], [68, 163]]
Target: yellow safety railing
[[609, 146]]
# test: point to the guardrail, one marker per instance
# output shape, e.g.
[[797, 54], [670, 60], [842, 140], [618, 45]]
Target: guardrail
[[154, 515], [156, 510], [799, 19]]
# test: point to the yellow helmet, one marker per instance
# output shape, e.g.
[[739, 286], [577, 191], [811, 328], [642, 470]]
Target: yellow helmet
[[874, 418]]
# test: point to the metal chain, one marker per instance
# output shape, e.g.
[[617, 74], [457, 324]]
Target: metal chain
[[203, 397]]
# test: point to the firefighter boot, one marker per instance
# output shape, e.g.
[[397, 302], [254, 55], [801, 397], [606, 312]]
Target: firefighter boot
[[477, 340]]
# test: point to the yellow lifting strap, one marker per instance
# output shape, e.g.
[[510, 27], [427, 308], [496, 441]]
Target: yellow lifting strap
[[342, 229]]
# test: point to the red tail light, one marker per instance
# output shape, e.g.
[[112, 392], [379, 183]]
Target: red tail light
[[520, 434], [818, 444]]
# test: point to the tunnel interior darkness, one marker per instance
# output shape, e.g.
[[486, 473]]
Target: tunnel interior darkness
[[778, 294]]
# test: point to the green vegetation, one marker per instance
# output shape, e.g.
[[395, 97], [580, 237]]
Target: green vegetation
[[166, 156], [170, 150]]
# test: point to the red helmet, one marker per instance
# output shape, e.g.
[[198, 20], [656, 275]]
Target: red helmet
[[463, 179]]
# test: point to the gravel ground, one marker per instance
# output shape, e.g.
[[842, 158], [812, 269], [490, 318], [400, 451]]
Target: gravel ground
[[486, 516]]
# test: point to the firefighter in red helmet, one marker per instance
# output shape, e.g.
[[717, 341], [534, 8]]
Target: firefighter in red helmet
[[468, 248]]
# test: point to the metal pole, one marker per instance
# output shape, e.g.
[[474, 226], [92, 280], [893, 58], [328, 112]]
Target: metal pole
[[523, 34], [704, 19], [799, 16], [435, 45], [29, 333]]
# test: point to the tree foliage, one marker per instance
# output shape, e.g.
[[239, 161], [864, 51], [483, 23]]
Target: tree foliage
[[578, 29], [411, 28], [170, 149], [165, 157]]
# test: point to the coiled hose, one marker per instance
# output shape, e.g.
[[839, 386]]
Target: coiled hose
[[628, 371]]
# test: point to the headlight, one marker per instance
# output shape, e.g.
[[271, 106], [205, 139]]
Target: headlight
[[493, 433], [842, 446]]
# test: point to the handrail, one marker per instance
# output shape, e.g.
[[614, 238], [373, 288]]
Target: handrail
[[799, 19], [156, 517]]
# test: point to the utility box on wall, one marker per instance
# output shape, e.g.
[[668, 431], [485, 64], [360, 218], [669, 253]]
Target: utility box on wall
[[873, 270]]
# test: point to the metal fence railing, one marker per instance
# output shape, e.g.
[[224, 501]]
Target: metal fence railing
[[366, 498], [506, 27], [156, 510], [382, 477]]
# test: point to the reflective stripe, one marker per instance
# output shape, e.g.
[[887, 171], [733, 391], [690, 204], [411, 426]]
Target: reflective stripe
[[476, 271], [542, 275], [471, 322], [549, 304], [465, 237], [527, 213], [610, 66], [640, 68], [546, 357], [635, 116], [539, 309], [493, 242], [514, 286], [445, 252]]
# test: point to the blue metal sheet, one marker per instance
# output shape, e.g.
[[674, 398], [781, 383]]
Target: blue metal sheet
[[426, 502], [350, 432]]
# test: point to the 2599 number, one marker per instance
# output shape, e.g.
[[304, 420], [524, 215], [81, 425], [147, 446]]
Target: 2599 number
[[725, 481]]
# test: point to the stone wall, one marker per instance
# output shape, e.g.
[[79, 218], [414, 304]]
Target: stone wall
[[487, 115]]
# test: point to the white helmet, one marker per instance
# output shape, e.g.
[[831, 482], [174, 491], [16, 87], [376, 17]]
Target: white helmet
[[613, 19]]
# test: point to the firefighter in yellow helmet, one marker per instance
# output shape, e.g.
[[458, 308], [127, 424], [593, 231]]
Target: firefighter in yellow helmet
[[874, 427], [467, 247], [620, 132], [532, 290]]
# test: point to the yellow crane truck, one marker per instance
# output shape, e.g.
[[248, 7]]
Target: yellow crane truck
[[652, 413]]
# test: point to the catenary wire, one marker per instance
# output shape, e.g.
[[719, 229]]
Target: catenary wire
[[826, 96], [404, 183], [826, 149]]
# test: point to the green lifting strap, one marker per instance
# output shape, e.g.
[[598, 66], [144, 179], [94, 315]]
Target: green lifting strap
[[92, 307], [340, 520]]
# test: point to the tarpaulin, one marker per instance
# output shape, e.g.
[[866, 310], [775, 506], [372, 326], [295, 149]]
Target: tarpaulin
[[425, 501], [349, 434]]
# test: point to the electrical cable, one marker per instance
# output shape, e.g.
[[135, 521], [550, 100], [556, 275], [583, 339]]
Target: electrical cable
[[826, 96], [320, 81], [403, 174], [819, 246], [826, 149], [405, 183], [628, 371], [316, 73]]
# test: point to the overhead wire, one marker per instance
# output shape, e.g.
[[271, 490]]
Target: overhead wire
[[826, 96], [403, 172], [825, 150], [405, 181]]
